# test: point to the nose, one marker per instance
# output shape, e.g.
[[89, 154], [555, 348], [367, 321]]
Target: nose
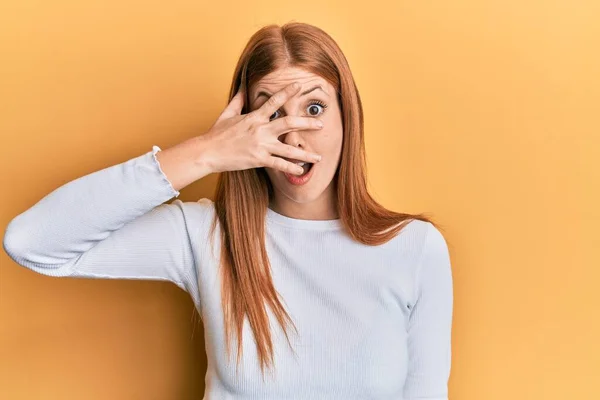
[[293, 138]]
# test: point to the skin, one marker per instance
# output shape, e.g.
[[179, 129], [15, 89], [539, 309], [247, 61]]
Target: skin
[[316, 199]]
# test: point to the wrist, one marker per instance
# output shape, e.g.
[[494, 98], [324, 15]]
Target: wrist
[[202, 160], [184, 163]]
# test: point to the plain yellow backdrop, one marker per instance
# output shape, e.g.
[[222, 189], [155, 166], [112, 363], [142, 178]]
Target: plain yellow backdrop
[[483, 113]]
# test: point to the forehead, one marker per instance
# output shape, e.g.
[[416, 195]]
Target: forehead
[[279, 79]]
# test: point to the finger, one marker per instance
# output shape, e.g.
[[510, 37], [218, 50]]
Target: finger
[[235, 105], [292, 122], [285, 150], [278, 99], [283, 165]]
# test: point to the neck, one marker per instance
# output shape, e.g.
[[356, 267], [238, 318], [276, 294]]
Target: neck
[[322, 208]]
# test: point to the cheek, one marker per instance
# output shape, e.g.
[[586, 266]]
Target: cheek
[[331, 149], [329, 143]]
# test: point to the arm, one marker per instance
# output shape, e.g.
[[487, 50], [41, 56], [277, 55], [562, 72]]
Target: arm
[[430, 323], [111, 223]]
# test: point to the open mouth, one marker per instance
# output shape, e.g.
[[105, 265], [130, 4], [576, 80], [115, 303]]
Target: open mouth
[[299, 180], [306, 167]]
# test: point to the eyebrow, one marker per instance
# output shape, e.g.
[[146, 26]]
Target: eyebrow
[[267, 94]]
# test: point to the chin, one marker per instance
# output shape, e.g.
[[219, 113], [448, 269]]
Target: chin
[[301, 197]]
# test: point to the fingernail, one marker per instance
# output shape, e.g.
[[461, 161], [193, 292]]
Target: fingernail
[[320, 124]]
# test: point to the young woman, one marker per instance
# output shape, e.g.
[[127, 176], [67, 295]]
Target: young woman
[[294, 263]]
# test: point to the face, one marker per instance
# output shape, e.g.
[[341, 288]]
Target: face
[[316, 198]]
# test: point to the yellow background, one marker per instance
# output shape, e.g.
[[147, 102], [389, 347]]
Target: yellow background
[[484, 113]]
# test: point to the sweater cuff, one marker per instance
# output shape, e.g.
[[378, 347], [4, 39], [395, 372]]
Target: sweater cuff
[[156, 163]]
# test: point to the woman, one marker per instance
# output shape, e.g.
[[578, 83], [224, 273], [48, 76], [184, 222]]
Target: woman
[[294, 262]]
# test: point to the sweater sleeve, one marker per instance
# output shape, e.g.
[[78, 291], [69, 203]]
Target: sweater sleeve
[[111, 223], [430, 322]]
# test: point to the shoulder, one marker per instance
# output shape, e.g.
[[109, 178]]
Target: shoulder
[[415, 236], [435, 241], [193, 216], [420, 253], [425, 237], [196, 210], [427, 244], [434, 267]]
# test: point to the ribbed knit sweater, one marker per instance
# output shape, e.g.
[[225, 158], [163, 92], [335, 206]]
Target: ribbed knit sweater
[[374, 322]]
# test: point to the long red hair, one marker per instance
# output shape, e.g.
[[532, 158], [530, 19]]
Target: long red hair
[[242, 197]]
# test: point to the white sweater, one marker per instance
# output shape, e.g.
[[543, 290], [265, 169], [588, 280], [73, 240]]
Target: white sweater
[[374, 322]]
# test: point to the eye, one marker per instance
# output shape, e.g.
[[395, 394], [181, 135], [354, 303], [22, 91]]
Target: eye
[[315, 104], [312, 105]]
